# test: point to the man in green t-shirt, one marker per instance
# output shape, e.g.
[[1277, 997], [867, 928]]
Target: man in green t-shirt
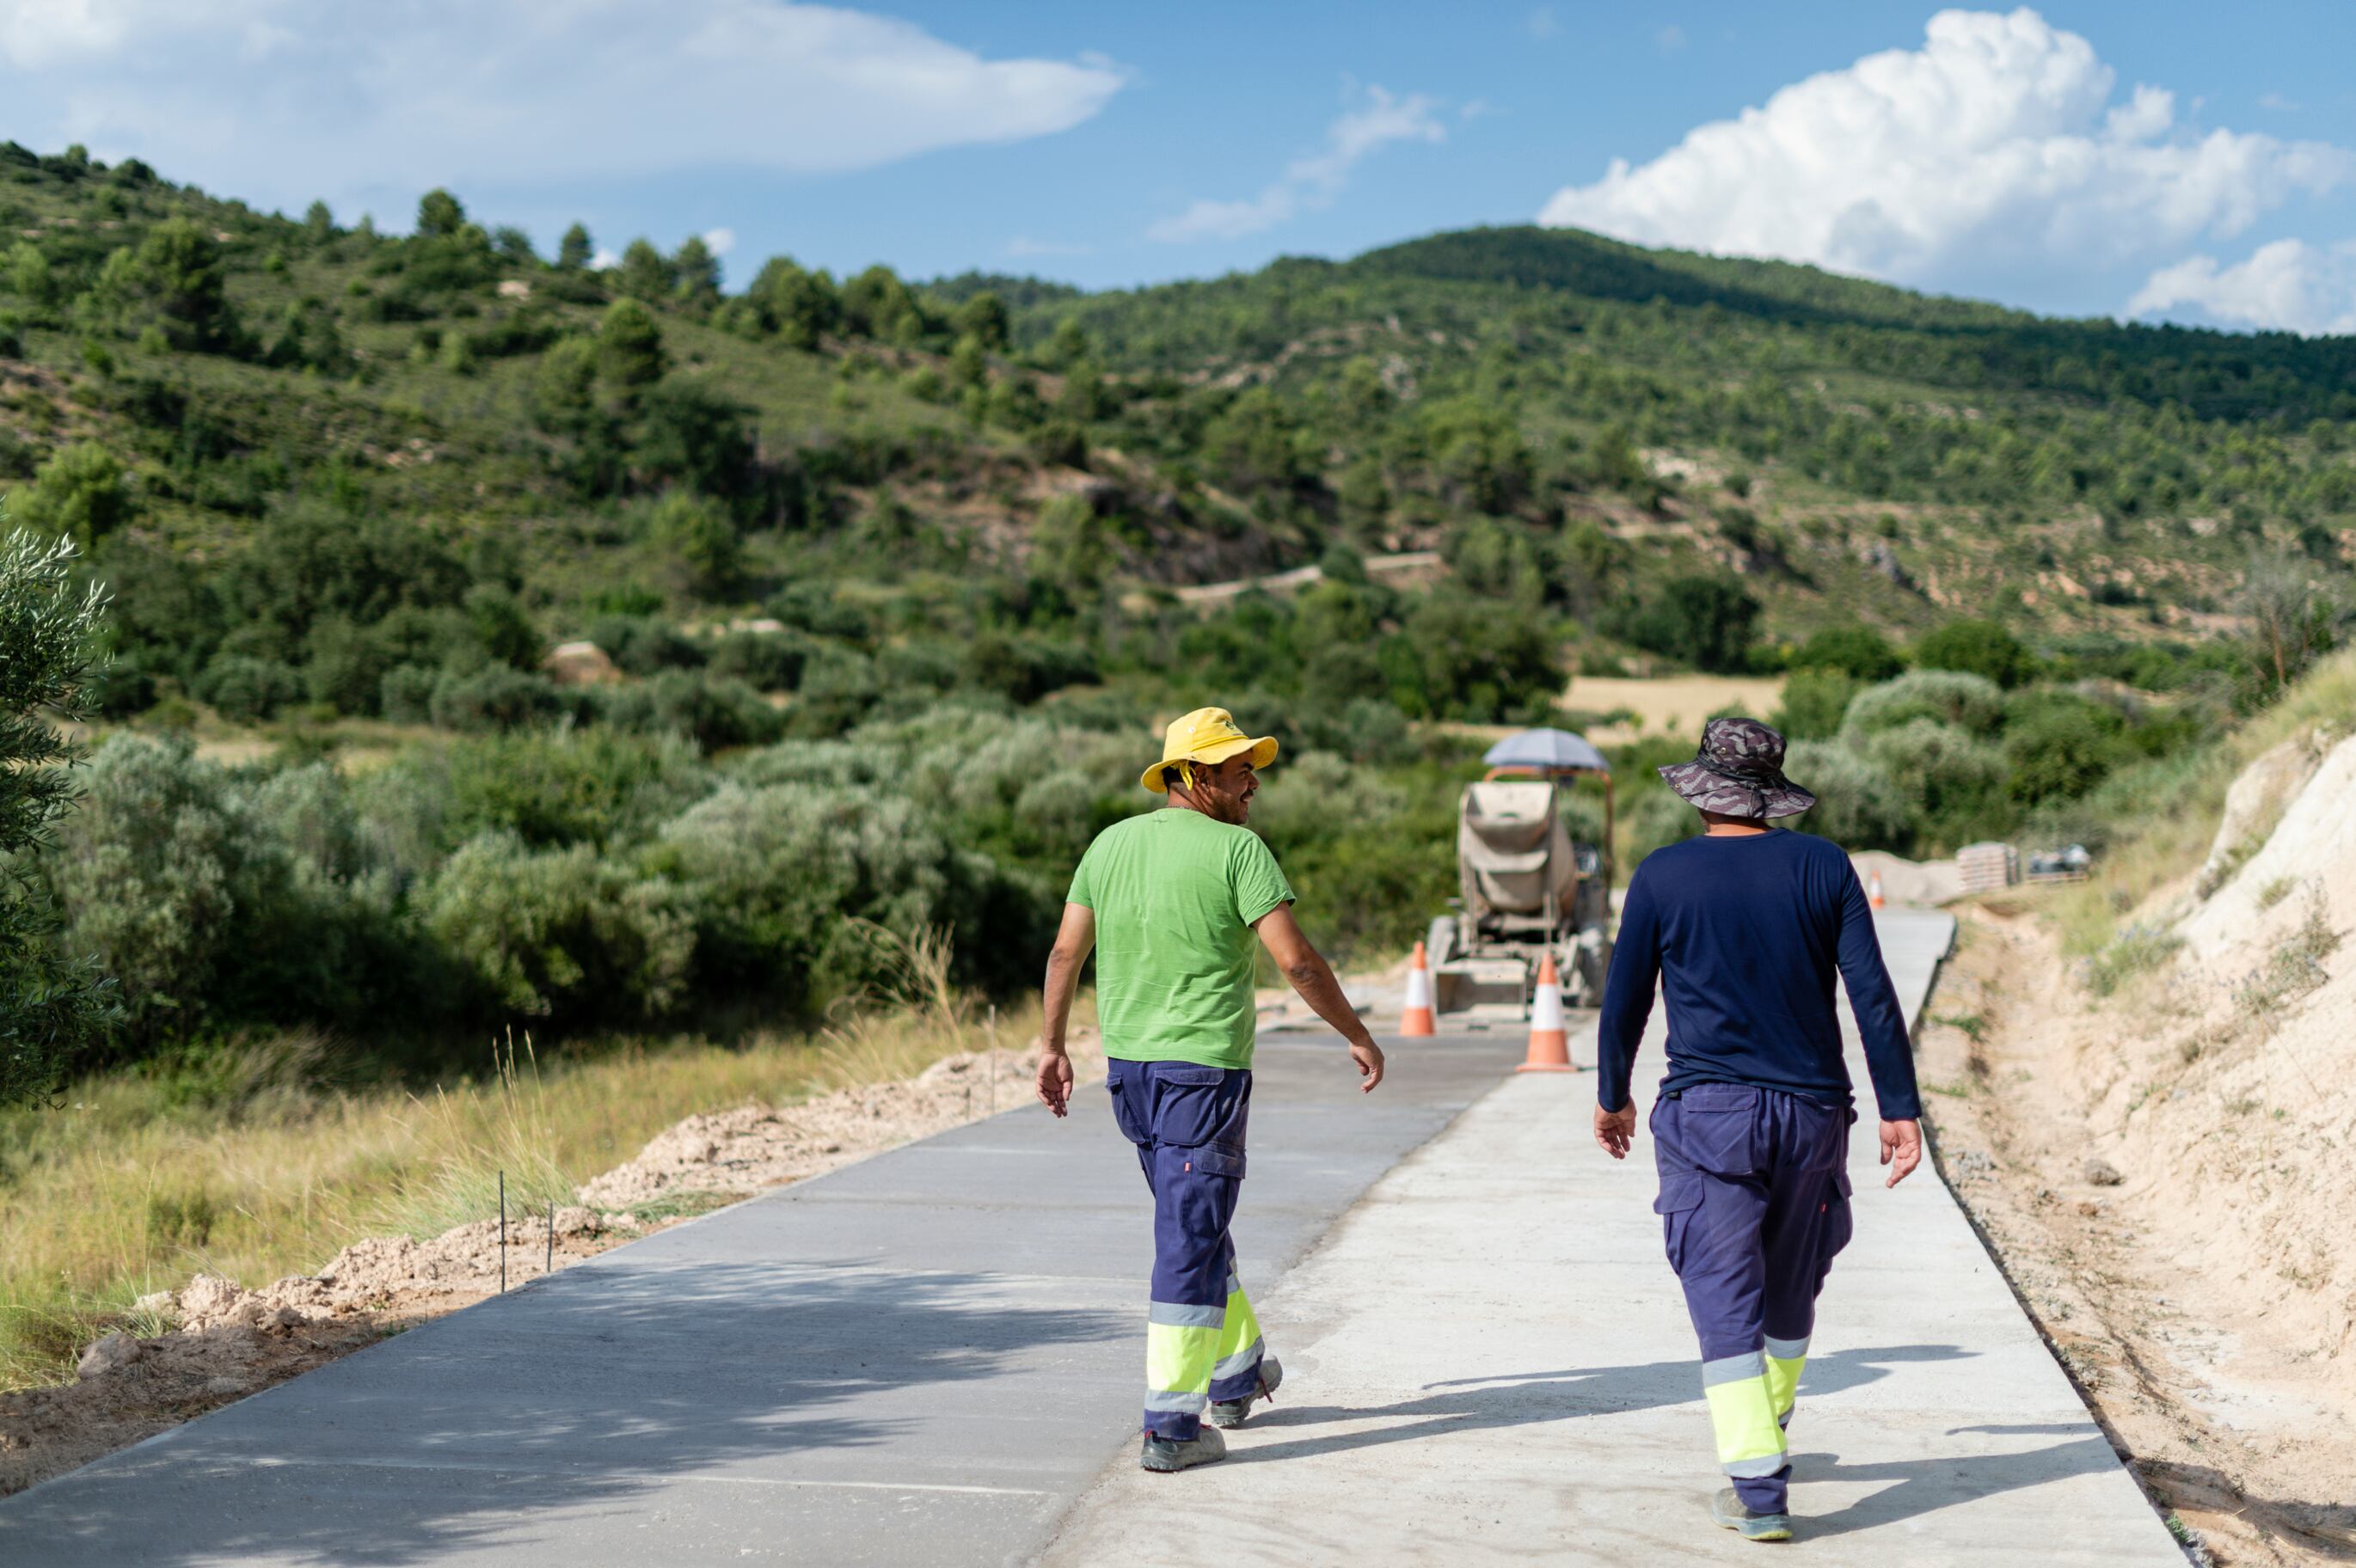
[[1173, 902]]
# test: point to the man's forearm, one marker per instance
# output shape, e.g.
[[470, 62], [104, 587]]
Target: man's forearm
[[1055, 999], [1314, 979]]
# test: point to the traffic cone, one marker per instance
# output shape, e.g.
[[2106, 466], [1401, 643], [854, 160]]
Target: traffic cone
[[1873, 890], [1414, 1018], [1549, 1043]]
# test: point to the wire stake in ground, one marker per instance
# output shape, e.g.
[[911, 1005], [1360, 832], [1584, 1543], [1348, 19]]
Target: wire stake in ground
[[503, 1232]]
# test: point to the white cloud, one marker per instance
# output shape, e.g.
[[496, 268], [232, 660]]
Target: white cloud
[[2277, 102], [1670, 39], [604, 260], [720, 241], [2290, 285], [283, 100], [1316, 178], [39, 33], [1541, 23], [1995, 143]]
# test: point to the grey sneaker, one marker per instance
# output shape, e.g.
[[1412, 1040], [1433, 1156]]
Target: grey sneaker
[[1728, 1509], [1230, 1413], [1165, 1455]]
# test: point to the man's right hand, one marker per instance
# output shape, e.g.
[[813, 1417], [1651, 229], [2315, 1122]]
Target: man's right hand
[[1901, 1149], [1615, 1131], [1369, 1058], [1056, 1081]]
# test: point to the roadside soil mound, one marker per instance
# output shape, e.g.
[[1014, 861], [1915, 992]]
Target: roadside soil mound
[[2164, 1171], [1925, 883], [225, 1342]]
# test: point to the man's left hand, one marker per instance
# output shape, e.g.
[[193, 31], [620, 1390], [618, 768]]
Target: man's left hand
[[1615, 1131], [1901, 1149]]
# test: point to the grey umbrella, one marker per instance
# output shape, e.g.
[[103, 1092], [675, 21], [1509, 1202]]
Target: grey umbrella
[[1548, 751]]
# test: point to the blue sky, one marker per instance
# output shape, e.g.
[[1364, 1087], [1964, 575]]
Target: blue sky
[[2162, 159]]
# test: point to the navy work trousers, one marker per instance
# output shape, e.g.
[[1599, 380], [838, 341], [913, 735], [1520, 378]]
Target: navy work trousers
[[1754, 1204], [1202, 1339]]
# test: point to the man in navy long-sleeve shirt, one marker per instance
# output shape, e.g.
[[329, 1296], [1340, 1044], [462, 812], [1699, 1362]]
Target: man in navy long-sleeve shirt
[[1743, 929]]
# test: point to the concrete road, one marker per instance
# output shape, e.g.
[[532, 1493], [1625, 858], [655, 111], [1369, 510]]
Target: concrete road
[[935, 1357], [1489, 1360], [922, 1358]]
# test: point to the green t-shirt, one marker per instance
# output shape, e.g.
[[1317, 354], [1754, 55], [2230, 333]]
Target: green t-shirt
[[1175, 894]]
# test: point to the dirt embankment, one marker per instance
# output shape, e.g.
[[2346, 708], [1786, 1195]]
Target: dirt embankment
[[221, 1342], [2167, 1171]]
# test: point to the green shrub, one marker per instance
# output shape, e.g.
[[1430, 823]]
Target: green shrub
[[1971, 702], [773, 872], [2061, 746], [700, 537], [765, 661], [1859, 652], [1976, 647], [839, 686], [249, 690], [716, 714], [1654, 817], [1706, 622], [643, 645], [1458, 658], [493, 698], [1814, 702], [405, 695], [78, 494], [144, 874], [1951, 778], [1859, 807], [561, 934]]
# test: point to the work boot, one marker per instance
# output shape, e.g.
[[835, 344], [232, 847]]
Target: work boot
[[1230, 1413], [1728, 1509], [1166, 1455]]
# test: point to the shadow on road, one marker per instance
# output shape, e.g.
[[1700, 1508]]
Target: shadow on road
[[1475, 1404], [579, 1394]]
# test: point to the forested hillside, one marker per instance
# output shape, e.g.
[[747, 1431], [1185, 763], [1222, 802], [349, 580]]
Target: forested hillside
[[887, 577]]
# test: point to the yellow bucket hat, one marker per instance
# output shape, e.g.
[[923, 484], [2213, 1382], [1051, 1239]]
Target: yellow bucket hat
[[1206, 735]]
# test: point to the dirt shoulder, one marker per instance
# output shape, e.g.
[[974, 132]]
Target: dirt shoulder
[[2109, 1153], [181, 1354]]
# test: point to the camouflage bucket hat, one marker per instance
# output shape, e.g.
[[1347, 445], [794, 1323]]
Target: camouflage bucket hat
[[1739, 772]]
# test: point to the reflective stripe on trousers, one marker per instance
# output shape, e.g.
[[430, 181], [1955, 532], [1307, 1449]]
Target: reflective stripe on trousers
[[1202, 1338], [1754, 1205]]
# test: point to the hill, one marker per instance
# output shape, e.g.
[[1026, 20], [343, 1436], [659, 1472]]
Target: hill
[[904, 570], [312, 457]]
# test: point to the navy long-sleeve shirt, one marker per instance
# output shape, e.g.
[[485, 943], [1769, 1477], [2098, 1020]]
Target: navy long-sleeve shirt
[[1743, 935]]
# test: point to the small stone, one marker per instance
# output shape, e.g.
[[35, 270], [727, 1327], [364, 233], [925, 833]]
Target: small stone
[[116, 1350], [227, 1384], [2088, 1208], [2100, 1172]]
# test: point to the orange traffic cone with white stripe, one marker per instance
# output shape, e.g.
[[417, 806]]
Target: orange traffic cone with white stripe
[[1550, 1041], [1414, 1018], [1873, 890]]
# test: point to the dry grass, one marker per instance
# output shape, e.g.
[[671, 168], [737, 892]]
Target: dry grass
[[1677, 703], [137, 1183]]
